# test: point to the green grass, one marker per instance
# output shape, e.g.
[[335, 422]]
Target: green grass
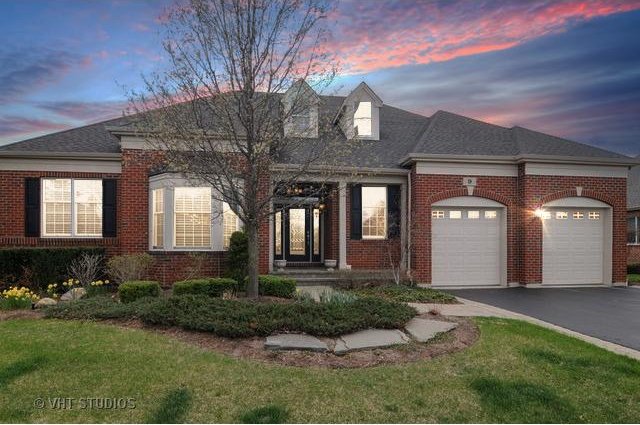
[[407, 294], [517, 372], [633, 278]]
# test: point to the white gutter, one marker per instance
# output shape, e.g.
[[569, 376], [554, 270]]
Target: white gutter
[[517, 159]]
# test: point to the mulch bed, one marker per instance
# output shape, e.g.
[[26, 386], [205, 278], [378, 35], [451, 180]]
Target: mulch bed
[[20, 314], [465, 335]]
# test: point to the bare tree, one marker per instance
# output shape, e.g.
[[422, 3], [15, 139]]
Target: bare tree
[[240, 73]]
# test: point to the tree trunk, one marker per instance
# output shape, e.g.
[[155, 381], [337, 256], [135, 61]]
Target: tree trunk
[[252, 265]]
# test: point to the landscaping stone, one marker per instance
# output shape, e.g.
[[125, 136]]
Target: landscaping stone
[[422, 330], [370, 339], [46, 302], [295, 342], [73, 294]]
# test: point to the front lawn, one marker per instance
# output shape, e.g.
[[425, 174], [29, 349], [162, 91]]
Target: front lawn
[[517, 372]]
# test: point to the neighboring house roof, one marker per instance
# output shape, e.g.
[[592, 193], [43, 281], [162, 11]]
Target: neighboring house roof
[[403, 135], [633, 188]]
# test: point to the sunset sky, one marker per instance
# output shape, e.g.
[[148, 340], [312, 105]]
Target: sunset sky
[[569, 68]]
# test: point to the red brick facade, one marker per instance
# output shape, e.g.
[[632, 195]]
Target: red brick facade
[[521, 195]]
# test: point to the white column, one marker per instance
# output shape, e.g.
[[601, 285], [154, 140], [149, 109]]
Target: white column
[[342, 226]]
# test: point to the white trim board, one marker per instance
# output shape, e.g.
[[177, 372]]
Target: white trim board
[[61, 165], [575, 170], [466, 169]]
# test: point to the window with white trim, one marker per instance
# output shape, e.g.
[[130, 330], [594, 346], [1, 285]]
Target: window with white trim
[[157, 200], [437, 214], [473, 215], [230, 222], [362, 119], [374, 212], [192, 217], [577, 215], [455, 215], [633, 230], [490, 215], [594, 215], [71, 208], [562, 215]]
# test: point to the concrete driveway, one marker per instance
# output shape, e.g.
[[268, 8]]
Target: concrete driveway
[[610, 314]]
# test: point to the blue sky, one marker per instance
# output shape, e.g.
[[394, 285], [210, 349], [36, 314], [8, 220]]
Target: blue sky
[[569, 68]]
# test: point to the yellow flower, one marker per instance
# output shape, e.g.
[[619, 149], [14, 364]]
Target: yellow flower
[[106, 282], [77, 281]]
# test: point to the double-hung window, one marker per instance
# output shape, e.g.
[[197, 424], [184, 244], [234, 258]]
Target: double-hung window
[[157, 200], [71, 208], [230, 223], [633, 230], [192, 217], [362, 118], [374, 212]]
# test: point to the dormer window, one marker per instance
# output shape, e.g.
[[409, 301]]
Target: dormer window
[[301, 122], [300, 104], [362, 119]]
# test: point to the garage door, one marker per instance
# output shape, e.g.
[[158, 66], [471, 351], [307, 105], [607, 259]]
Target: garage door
[[573, 246], [465, 248]]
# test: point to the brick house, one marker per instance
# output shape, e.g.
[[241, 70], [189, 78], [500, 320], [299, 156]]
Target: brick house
[[633, 219], [473, 204]]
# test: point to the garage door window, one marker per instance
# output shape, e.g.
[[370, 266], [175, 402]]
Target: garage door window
[[561, 215], [577, 215], [594, 215], [455, 215], [437, 214], [490, 215], [473, 215]]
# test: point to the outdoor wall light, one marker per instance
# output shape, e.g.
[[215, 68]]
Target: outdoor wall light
[[540, 213]]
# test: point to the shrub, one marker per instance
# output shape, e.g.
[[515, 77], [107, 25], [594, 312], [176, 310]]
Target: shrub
[[633, 268], [212, 287], [337, 297], [17, 298], [241, 318], [86, 268], [99, 307], [41, 265], [408, 294], [237, 256], [276, 286], [134, 290], [125, 268]]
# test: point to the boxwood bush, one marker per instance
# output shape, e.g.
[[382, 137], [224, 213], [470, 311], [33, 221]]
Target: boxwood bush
[[276, 286], [99, 307], [243, 318], [136, 289], [212, 287]]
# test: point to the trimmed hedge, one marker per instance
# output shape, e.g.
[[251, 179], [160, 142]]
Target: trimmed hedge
[[240, 318], [99, 307], [212, 287], [406, 294], [136, 289], [43, 265], [276, 286]]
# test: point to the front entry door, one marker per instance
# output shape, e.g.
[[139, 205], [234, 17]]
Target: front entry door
[[300, 234]]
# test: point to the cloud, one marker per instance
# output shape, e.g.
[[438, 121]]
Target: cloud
[[24, 71], [374, 35], [583, 84], [20, 126]]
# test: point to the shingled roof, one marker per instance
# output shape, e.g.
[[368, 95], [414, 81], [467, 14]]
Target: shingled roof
[[402, 135]]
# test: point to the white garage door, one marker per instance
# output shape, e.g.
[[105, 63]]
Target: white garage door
[[465, 248], [573, 246]]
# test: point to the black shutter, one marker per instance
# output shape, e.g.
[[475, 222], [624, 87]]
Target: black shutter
[[109, 194], [356, 211], [32, 206], [393, 211]]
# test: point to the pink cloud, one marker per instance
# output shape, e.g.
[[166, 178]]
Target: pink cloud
[[375, 35], [14, 126]]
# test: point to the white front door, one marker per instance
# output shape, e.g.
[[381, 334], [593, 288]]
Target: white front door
[[466, 246], [573, 246]]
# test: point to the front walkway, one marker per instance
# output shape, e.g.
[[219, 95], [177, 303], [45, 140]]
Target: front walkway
[[469, 308]]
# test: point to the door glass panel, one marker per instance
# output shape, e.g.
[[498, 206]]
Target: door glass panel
[[297, 231], [316, 231], [278, 223]]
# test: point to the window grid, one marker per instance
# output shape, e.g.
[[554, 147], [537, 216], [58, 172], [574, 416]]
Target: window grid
[[230, 223], [561, 215], [192, 212], [633, 230], [473, 215], [374, 212], [362, 119], [72, 208], [594, 215], [490, 215], [577, 215], [437, 214], [278, 233], [157, 199]]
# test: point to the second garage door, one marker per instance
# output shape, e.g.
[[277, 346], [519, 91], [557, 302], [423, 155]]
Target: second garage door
[[466, 246]]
